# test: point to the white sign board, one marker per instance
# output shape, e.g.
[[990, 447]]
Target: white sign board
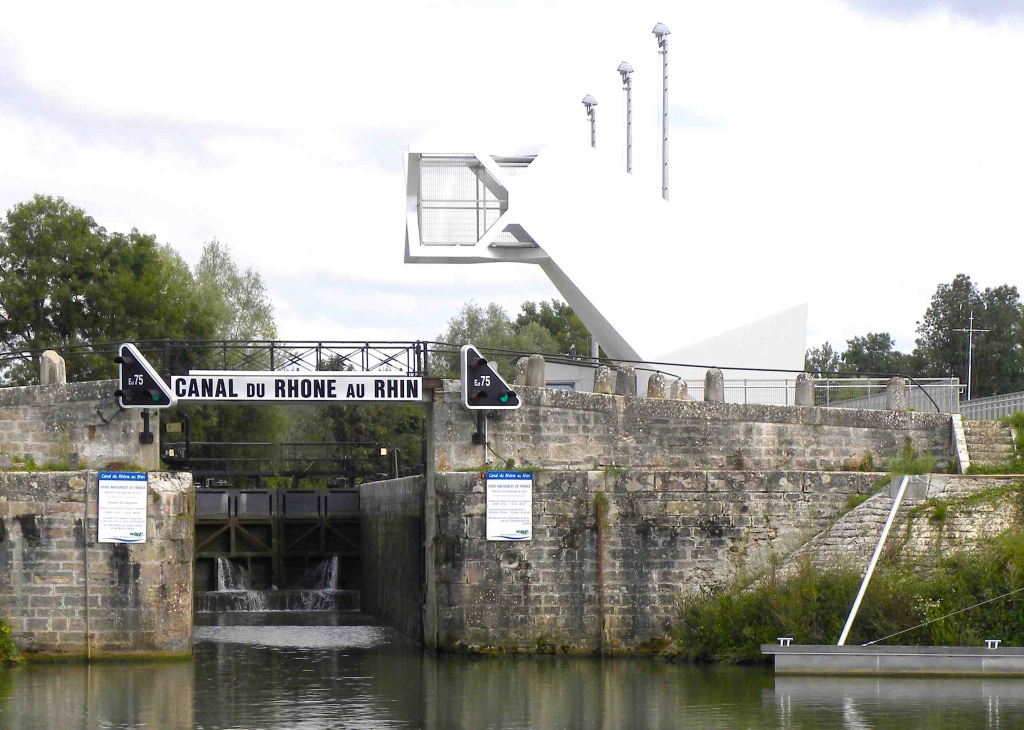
[[122, 506], [287, 387], [509, 505]]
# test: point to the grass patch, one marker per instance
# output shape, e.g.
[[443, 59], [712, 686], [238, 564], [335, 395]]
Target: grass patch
[[854, 500], [730, 625], [908, 462]]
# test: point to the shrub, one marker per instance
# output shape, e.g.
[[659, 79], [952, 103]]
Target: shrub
[[8, 651], [730, 625]]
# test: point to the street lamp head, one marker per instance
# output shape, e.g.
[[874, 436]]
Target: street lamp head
[[589, 102], [625, 69], [661, 30]]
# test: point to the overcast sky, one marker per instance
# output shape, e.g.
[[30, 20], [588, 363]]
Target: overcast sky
[[879, 142]]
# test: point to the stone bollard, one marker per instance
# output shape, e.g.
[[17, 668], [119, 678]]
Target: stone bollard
[[521, 365], [656, 386], [535, 372], [625, 380], [603, 380], [714, 386], [896, 394], [51, 369], [804, 390], [678, 390]]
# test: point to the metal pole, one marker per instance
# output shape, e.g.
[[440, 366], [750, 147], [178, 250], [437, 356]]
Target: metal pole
[[874, 561], [85, 572], [662, 32], [629, 125], [626, 71], [970, 346], [593, 127]]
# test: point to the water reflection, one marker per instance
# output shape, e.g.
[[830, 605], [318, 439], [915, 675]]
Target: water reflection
[[318, 671]]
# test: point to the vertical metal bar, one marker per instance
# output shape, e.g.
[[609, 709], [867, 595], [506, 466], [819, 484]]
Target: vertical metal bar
[[271, 355], [664, 117], [85, 555], [874, 561], [629, 125]]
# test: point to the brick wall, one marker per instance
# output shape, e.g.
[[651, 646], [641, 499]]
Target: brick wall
[[391, 536], [567, 429], [667, 533], [140, 596], [76, 423]]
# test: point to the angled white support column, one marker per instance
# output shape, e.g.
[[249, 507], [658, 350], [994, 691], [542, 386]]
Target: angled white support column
[[874, 561]]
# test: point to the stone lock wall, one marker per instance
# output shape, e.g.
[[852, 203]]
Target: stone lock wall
[[566, 429], [391, 537], [77, 424], [665, 534], [695, 494], [140, 596]]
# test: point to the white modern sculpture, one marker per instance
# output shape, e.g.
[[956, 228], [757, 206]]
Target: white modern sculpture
[[602, 237]]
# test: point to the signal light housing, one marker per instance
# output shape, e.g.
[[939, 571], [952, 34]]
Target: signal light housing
[[483, 389], [139, 386]]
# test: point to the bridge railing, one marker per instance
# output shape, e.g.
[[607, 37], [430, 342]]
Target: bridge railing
[[993, 407]]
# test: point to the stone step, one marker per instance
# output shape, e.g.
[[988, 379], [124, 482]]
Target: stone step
[[990, 448]]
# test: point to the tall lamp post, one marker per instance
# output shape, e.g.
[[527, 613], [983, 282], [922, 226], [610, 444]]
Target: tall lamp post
[[970, 330], [591, 105], [626, 71], [661, 31]]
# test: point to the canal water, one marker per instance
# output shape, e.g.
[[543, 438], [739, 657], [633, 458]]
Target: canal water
[[313, 671]]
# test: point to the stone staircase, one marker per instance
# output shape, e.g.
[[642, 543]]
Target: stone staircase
[[989, 443]]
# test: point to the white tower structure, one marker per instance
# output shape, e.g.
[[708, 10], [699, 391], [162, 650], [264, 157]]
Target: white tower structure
[[603, 237]]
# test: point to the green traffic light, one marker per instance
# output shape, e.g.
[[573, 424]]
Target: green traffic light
[[503, 398]]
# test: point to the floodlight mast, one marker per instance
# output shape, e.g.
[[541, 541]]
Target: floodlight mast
[[661, 31], [626, 71], [591, 105]]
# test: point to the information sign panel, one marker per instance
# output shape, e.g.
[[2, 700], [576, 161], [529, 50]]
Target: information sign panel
[[122, 506], [509, 505]]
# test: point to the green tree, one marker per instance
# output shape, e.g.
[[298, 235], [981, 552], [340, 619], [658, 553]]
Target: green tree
[[65, 281], [560, 320], [490, 328], [874, 353], [242, 311], [820, 361], [998, 361]]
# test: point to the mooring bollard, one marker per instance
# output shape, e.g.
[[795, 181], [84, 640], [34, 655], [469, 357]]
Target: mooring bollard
[[521, 367], [603, 380], [714, 386], [656, 386], [804, 395], [896, 394], [625, 380], [535, 372], [678, 390]]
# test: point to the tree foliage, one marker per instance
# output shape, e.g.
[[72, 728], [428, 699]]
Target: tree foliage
[[64, 280], [941, 347], [998, 362], [561, 321]]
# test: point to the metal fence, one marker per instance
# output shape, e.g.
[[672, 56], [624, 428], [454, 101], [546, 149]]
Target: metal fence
[[993, 407], [865, 393], [870, 393], [764, 392]]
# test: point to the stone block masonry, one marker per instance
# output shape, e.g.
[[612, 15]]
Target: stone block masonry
[[78, 425], [140, 595], [391, 536], [573, 430], [667, 533]]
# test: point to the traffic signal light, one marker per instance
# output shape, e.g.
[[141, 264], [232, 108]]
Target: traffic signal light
[[138, 384], [482, 388]]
